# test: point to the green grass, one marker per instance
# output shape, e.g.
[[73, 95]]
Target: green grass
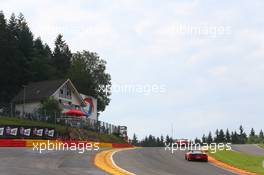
[[240, 160], [76, 133], [261, 145]]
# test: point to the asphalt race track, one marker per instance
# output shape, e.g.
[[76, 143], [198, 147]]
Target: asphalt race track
[[142, 161], [252, 149], [157, 161], [25, 161]]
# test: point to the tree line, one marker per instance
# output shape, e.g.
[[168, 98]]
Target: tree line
[[219, 136], [151, 141], [234, 137], [25, 58]]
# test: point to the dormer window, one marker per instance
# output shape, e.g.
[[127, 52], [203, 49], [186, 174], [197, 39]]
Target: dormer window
[[65, 92], [68, 92]]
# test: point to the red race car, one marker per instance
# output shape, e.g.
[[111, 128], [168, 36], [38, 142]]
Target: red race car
[[196, 155]]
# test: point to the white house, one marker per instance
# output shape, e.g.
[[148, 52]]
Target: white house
[[29, 99]]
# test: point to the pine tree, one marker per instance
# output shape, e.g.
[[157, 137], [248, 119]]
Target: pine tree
[[204, 139], [134, 140], [40, 67], [10, 63], [253, 138], [221, 136], [25, 44], [161, 140], [261, 136], [252, 132], [168, 141], [158, 142], [216, 139], [3, 60], [227, 136], [61, 57], [145, 142], [171, 140], [196, 140], [242, 135], [13, 25], [209, 138], [234, 138]]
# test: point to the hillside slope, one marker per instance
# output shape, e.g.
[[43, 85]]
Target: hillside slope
[[64, 131]]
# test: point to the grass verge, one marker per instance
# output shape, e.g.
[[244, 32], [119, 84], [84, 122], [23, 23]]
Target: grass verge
[[242, 161]]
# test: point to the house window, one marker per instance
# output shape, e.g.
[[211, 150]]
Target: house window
[[65, 92], [68, 93]]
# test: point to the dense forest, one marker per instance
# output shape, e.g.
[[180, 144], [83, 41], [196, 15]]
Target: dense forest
[[220, 136], [25, 58]]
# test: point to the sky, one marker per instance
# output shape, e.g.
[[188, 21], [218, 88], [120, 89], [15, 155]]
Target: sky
[[193, 65]]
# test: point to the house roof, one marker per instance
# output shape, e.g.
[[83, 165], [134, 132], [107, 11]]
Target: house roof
[[38, 90]]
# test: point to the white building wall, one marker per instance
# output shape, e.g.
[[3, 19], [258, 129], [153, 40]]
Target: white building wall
[[29, 107], [74, 99]]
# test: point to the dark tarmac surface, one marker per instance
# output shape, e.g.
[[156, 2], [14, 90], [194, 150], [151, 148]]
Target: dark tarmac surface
[[157, 161], [252, 149], [142, 161], [25, 161]]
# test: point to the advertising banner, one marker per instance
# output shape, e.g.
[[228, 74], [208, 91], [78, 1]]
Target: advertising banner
[[90, 107], [26, 132], [13, 132], [39, 132], [123, 131], [51, 133], [2, 131]]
